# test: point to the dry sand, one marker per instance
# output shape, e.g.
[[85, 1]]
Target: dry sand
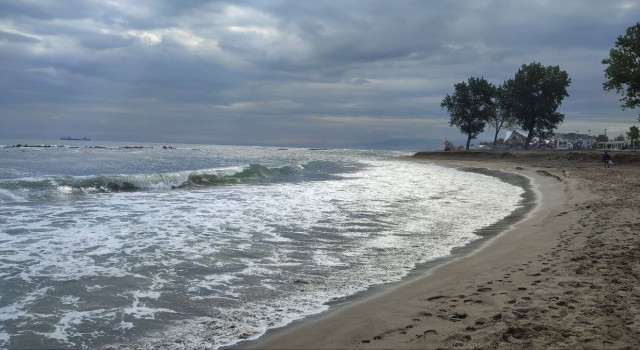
[[564, 277]]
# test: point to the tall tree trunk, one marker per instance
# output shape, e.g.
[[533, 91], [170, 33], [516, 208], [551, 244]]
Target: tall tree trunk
[[495, 139], [528, 140], [468, 141]]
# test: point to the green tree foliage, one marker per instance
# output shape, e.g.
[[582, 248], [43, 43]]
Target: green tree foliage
[[470, 106], [634, 135], [623, 68], [619, 138], [602, 138], [503, 116], [537, 92]]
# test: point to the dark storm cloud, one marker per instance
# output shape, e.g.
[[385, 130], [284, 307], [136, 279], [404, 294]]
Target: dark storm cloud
[[288, 72]]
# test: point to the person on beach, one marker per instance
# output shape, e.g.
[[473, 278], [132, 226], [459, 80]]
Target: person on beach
[[606, 159]]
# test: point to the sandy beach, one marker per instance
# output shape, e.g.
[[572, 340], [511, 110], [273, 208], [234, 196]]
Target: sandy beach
[[566, 276]]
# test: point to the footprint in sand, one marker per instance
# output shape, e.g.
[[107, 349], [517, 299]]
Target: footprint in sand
[[428, 332]]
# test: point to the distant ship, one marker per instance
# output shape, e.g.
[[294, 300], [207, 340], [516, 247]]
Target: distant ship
[[67, 138]]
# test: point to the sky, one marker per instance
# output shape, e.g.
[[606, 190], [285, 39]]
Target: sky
[[311, 73]]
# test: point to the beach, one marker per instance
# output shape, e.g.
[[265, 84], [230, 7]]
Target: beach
[[563, 277]]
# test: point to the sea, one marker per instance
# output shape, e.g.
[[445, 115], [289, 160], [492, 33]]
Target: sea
[[139, 245]]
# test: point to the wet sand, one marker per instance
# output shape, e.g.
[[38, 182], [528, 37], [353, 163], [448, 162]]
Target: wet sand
[[565, 276]]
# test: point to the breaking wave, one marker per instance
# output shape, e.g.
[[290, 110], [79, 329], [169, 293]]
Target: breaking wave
[[250, 174]]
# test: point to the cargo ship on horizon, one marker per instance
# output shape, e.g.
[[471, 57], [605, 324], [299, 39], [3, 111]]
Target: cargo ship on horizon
[[67, 138]]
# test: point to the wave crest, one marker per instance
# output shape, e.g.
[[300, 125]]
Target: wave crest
[[250, 174]]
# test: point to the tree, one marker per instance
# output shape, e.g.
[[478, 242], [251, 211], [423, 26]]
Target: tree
[[503, 115], [470, 106], [634, 135], [602, 138], [623, 70], [537, 92], [619, 138]]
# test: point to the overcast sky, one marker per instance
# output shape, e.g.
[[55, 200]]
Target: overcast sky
[[308, 73]]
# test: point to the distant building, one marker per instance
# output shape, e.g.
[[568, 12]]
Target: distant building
[[542, 144], [564, 141], [558, 141], [514, 139], [614, 145]]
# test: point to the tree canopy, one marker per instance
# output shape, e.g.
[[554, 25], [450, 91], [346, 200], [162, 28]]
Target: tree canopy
[[503, 116], [470, 106], [529, 101], [535, 93], [602, 138], [623, 68]]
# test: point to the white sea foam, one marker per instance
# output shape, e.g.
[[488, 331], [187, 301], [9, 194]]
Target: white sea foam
[[212, 281], [246, 257], [323, 258], [4, 338], [143, 312], [11, 195]]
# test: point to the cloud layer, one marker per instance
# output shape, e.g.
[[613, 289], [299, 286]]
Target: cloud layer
[[321, 73]]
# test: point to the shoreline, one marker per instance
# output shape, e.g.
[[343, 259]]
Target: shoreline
[[526, 204], [518, 289]]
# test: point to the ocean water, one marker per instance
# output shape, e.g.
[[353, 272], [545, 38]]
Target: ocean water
[[109, 244]]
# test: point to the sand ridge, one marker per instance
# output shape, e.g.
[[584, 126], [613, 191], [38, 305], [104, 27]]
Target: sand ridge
[[566, 276]]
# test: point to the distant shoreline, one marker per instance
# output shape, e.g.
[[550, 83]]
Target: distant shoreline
[[515, 156]]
